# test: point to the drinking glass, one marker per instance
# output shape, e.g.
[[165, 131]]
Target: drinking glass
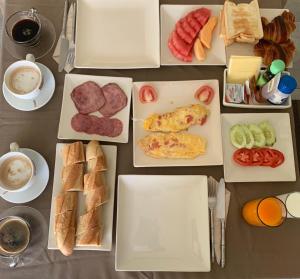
[[265, 212]]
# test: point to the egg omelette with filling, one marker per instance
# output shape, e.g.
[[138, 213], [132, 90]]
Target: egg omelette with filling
[[178, 120], [173, 145]]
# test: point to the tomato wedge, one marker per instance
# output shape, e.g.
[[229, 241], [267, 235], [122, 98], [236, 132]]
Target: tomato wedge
[[147, 94], [243, 157], [205, 94]]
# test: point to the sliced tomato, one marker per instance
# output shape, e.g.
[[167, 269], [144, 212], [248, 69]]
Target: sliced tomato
[[147, 94], [205, 94], [243, 157], [268, 157], [257, 157], [278, 158]]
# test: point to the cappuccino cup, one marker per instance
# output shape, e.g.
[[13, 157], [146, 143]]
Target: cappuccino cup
[[16, 170], [14, 236], [23, 78]]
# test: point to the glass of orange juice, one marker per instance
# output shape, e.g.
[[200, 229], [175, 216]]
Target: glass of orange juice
[[265, 212]]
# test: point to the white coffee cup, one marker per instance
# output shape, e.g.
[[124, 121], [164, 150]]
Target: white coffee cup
[[23, 78], [16, 171]]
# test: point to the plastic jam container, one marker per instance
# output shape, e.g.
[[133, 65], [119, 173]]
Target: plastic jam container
[[278, 89]]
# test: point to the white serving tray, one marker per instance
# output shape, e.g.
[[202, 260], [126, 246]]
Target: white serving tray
[[110, 152], [286, 105]]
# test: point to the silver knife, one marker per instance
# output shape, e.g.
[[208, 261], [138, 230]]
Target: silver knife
[[220, 214], [64, 42]]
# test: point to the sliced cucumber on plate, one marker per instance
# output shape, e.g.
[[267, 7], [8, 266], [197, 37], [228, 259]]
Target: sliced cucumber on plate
[[258, 135], [269, 132], [237, 136], [249, 137]]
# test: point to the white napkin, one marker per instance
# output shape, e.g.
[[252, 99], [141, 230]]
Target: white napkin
[[71, 13]]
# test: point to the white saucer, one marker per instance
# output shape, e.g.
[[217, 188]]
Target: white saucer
[[47, 91], [39, 183]]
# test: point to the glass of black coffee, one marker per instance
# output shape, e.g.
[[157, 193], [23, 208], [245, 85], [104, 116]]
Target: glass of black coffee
[[24, 27]]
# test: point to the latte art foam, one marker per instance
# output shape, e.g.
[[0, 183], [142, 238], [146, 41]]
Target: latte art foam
[[15, 172], [24, 80]]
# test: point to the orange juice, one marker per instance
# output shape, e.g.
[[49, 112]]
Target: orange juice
[[269, 211]]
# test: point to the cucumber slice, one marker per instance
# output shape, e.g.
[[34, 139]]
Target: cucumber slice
[[237, 136], [269, 132], [249, 137], [258, 135]]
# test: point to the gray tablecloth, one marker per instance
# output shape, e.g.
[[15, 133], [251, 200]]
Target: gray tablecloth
[[251, 252]]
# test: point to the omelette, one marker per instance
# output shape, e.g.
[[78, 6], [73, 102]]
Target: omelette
[[173, 145], [179, 120]]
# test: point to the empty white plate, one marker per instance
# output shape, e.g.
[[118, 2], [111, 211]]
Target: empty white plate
[[162, 223], [284, 143], [117, 34], [107, 208]]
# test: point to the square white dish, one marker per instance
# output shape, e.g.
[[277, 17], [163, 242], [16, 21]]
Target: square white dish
[[169, 15], [284, 143], [117, 34], [286, 105], [162, 223], [173, 94], [247, 49], [110, 152], [68, 109]]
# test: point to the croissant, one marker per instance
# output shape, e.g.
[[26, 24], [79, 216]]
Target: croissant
[[280, 28], [271, 51]]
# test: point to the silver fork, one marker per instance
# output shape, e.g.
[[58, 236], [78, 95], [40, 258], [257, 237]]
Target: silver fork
[[212, 201], [71, 51]]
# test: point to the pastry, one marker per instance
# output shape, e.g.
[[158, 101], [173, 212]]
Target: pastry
[[72, 178], [88, 221], [93, 180], [93, 150], [64, 202], [73, 153], [95, 198]]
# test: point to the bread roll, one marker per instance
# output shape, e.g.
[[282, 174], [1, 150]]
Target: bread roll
[[65, 220], [65, 239], [73, 153], [93, 180], [96, 197], [97, 164], [72, 177], [93, 150], [90, 237], [88, 221], [66, 201]]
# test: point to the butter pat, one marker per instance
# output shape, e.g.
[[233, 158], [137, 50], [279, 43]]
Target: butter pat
[[242, 68]]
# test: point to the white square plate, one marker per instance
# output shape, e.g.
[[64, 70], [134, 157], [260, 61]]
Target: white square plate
[[162, 223], [169, 15], [236, 173], [173, 94], [110, 152], [68, 109], [117, 34], [248, 49]]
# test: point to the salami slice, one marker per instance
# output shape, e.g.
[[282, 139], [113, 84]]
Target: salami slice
[[115, 99], [91, 124], [88, 97]]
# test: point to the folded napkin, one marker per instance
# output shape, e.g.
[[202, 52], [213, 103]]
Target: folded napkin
[[71, 13], [217, 227]]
